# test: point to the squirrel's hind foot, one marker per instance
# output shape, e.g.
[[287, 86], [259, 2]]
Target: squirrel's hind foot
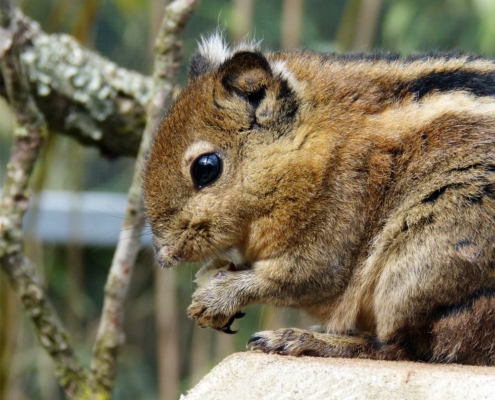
[[299, 342]]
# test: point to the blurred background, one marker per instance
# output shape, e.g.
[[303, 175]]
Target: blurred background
[[76, 189]]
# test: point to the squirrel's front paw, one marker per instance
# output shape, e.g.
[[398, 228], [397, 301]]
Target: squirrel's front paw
[[212, 307]]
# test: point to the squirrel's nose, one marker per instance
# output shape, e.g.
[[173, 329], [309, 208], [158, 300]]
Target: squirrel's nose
[[162, 260], [158, 258]]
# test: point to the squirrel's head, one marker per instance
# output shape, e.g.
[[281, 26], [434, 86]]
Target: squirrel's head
[[226, 158]]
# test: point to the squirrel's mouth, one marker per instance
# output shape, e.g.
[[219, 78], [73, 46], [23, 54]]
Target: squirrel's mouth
[[212, 269], [215, 269]]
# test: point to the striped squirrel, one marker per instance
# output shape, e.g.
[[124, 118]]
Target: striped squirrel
[[359, 188]]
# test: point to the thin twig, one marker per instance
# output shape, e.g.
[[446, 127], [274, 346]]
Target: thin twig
[[28, 137], [110, 334]]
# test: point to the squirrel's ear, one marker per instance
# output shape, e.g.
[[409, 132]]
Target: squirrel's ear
[[246, 73]]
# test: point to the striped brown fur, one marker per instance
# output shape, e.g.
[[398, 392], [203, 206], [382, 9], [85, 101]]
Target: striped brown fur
[[358, 188]]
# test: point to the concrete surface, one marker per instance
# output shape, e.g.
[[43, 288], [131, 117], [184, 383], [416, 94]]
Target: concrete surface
[[257, 376]]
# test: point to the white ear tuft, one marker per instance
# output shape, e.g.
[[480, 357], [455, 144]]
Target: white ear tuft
[[214, 49], [248, 44]]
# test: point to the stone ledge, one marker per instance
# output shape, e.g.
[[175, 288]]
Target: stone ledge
[[253, 375]]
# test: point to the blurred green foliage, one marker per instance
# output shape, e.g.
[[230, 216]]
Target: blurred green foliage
[[122, 30], [441, 25]]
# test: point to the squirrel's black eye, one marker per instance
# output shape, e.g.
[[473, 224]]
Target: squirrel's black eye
[[206, 169]]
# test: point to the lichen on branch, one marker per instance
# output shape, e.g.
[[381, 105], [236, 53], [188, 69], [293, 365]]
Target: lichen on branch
[[85, 96], [29, 132], [81, 93]]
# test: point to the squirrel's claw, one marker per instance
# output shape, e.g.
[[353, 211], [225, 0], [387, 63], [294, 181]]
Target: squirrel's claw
[[226, 328], [256, 342]]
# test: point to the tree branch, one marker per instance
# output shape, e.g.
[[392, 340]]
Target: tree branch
[[28, 137], [110, 334], [29, 57], [80, 93]]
